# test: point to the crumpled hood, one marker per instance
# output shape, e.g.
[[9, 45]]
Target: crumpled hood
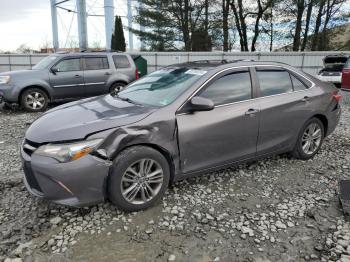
[[76, 120]]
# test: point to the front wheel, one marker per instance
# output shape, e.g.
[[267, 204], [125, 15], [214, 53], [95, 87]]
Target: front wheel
[[310, 139], [34, 100], [138, 179]]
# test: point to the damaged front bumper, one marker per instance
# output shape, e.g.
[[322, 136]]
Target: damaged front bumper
[[78, 183]]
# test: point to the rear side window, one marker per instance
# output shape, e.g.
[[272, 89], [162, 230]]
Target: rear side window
[[121, 61], [274, 82], [230, 88], [95, 63], [67, 65], [297, 84]]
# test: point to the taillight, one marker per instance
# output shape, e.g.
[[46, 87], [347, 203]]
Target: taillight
[[337, 96], [137, 74]]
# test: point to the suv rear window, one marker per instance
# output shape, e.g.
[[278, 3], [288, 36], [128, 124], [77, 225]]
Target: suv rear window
[[95, 63], [347, 65], [121, 61]]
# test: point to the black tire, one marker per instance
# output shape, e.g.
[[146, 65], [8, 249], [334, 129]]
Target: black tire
[[298, 151], [40, 97], [122, 162], [116, 88]]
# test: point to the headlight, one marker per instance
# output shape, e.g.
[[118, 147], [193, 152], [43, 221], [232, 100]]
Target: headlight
[[68, 152], [4, 79]]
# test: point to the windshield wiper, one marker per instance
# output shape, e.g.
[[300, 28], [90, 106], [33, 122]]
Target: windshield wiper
[[127, 100]]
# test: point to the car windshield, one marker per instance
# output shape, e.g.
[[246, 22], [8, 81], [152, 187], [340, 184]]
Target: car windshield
[[45, 62], [161, 87]]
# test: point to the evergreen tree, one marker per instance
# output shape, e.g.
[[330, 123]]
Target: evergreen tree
[[118, 39]]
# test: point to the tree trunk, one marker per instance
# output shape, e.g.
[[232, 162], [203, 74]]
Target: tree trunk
[[238, 24], [225, 10], [307, 24], [186, 30], [271, 29], [317, 25], [300, 12]]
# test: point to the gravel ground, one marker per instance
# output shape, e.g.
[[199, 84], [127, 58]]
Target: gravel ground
[[277, 209]]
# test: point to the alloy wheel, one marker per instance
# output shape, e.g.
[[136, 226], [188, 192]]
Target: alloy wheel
[[311, 139], [35, 100], [142, 181]]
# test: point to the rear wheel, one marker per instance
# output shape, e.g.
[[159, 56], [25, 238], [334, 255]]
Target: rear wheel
[[116, 88], [34, 100], [310, 139], [139, 177]]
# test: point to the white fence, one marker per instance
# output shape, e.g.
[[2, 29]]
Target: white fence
[[310, 62]]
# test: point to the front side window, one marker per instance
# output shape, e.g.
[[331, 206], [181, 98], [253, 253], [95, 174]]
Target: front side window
[[68, 65], [44, 63], [274, 82], [230, 88], [121, 61], [95, 63], [161, 87]]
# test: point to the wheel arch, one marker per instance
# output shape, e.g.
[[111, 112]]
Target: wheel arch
[[324, 121], [116, 82], [34, 86], [161, 150]]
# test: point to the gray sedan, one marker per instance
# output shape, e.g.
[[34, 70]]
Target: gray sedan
[[180, 121]]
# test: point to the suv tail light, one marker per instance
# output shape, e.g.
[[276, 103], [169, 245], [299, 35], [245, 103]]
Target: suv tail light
[[137, 74], [337, 96]]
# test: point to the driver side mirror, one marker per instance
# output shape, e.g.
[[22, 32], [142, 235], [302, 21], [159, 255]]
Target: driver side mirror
[[54, 70], [198, 103]]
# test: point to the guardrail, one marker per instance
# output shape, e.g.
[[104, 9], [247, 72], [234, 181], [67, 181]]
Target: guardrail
[[310, 62]]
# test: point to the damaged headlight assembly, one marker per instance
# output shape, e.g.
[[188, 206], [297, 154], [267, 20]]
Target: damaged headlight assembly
[[68, 152]]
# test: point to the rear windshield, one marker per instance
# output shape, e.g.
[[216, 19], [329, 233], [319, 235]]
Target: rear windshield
[[161, 87]]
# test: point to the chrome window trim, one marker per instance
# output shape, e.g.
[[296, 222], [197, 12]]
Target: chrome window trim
[[252, 99]]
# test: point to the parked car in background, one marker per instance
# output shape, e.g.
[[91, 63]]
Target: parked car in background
[[345, 77], [67, 76], [332, 71], [179, 121]]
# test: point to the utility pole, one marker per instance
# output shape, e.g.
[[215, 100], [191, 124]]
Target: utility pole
[[109, 21], [54, 26], [82, 25], [131, 37]]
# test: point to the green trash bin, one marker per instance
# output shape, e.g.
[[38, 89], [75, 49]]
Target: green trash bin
[[141, 64]]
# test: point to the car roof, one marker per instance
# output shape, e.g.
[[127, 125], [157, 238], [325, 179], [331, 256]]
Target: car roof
[[214, 64], [88, 53]]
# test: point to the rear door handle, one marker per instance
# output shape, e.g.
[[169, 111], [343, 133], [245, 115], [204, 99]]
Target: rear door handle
[[305, 99], [108, 73], [252, 112], [77, 76]]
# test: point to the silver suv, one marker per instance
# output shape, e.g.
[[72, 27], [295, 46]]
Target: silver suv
[[67, 76]]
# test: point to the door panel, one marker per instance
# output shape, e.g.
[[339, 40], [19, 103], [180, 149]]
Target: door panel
[[68, 79], [284, 112], [282, 117], [220, 136], [96, 74]]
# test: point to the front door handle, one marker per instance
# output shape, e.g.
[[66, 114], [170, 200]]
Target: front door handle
[[108, 73], [252, 112], [77, 76], [305, 99]]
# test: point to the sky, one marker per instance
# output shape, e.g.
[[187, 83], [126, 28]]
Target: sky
[[29, 22]]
